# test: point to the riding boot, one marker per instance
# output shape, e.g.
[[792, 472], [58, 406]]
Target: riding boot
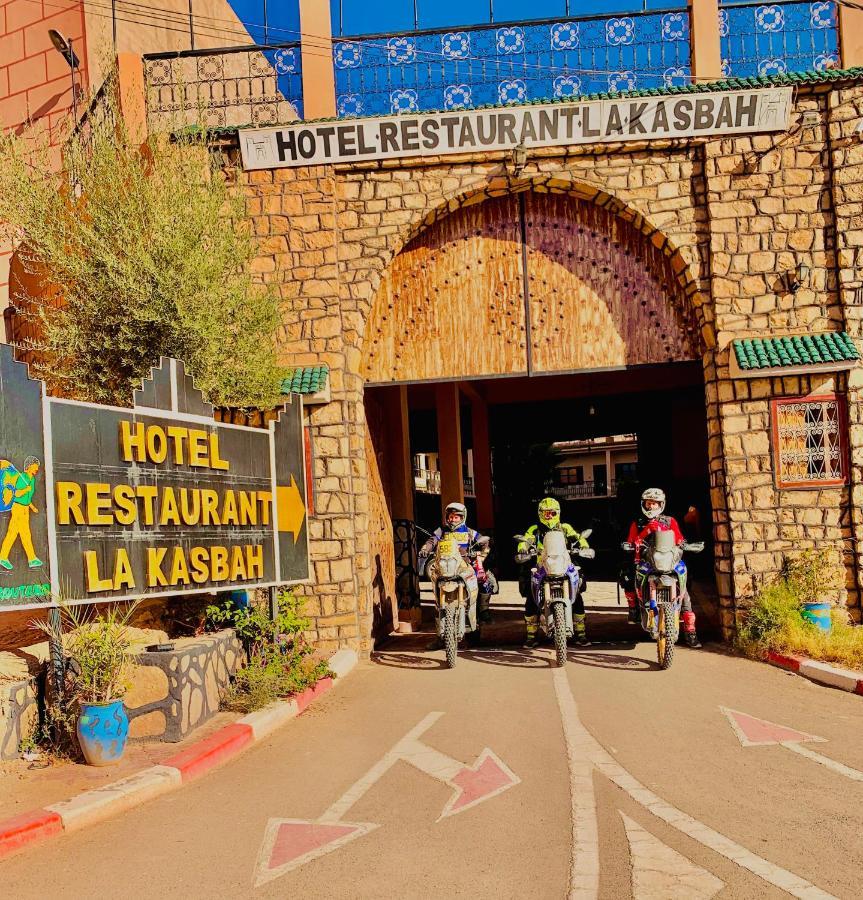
[[483, 610], [689, 633], [531, 624], [634, 617], [580, 630]]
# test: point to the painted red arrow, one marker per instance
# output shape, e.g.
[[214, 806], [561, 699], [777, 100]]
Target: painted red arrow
[[753, 732], [290, 843], [486, 778]]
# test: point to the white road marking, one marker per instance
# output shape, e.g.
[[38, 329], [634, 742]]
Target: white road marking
[[578, 735], [660, 873], [584, 863], [847, 771]]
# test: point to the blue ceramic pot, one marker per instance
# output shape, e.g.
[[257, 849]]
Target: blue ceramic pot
[[819, 615], [102, 732]]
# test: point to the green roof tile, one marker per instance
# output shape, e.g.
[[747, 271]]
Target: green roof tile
[[305, 380], [794, 350]]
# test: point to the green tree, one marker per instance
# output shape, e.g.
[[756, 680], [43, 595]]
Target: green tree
[[149, 251]]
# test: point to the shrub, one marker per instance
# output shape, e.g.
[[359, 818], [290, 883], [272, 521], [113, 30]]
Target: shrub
[[280, 660]]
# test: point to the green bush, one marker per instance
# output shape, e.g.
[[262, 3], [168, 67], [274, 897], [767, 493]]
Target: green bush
[[280, 661]]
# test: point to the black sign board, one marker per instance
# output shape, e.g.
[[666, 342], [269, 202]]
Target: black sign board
[[108, 503]]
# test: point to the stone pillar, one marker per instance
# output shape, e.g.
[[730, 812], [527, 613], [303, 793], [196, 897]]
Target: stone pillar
[[397, 452], [704, 47], [850, 36], [316, 50], [447, 400], [482, 466]]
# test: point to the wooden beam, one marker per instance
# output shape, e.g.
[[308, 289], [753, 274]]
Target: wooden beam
[[704, 47], [447, 397], [316, 50], [397, 451], [482, 466]]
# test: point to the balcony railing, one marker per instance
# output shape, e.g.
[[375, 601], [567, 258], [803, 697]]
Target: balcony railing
[[461, 68], [235, 86], [769, 39], [587, 490], [427, 481]]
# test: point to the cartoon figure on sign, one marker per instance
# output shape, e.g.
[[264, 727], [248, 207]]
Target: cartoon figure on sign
[[16, 495]]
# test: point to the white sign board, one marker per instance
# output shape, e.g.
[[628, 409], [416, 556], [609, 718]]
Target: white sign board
[[547, 125]]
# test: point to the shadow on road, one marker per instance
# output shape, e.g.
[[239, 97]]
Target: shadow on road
[[404, 660], [612, 661]]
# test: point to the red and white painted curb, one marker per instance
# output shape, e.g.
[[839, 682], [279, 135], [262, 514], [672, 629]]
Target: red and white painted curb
[[94, 806], [823, 673]]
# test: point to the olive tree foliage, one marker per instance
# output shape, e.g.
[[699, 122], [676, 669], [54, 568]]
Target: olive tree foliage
[[149, 253]]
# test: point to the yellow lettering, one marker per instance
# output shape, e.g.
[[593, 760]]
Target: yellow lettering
[[198, 448], [216, 461], [127, 506], [91, 566], [178, 435], [132, 441], [155, 575], [123, 576], [157, 444], [99, 504], [147, 492], [255, 561], [191, 513], [209, 504], [69, 495], [266, 499], [238, 564], [179, 569], [229, 509], [169, 513], [248, 508], [199, 558], [219, 563]]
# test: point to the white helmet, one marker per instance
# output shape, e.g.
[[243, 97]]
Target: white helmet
[[656, 494], [457, 508]]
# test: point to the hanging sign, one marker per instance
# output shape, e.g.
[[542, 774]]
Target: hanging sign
[[687, 115], [106, 503]]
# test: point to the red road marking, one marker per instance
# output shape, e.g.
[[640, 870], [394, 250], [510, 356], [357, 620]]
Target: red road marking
[[759, 732], [202, 756], [479, 784], [296, 839]]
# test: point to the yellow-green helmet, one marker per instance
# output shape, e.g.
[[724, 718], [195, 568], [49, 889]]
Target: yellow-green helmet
[[549, 512]]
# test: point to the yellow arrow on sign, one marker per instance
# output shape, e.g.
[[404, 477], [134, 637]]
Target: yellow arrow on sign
[[291, 509]]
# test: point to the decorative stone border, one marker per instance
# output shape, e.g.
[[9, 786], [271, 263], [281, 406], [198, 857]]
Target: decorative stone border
[[19, 714], [94, 806], [822, 673]]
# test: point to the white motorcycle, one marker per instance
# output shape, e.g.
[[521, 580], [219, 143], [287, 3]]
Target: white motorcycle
[[456, 590], [555, 583]]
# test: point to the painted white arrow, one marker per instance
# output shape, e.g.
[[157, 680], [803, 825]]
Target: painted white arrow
[[752, 732], [290, 843]]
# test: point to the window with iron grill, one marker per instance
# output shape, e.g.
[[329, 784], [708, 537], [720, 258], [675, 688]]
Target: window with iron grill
[[809, 441]]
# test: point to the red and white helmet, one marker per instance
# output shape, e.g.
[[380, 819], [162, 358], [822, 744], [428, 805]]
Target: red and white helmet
[[657, 495]]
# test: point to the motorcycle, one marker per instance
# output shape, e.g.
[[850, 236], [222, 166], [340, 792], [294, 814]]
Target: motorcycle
[[660, 586], [456, 589], [555, 582]]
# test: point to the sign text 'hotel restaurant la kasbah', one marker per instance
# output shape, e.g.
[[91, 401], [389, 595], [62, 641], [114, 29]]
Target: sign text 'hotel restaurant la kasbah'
[[108, 503], [544, 125]]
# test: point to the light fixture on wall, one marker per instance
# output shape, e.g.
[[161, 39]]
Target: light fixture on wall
[[64, 48], [519, 159], [797, 277]]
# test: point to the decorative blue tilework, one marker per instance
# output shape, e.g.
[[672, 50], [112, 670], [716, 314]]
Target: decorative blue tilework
[[460, 69], [773, 38]]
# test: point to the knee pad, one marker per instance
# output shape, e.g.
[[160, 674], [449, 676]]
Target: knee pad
[[689, 621]]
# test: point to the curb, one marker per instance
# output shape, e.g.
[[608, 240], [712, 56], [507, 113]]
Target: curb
[[94, 806], [822, 673]]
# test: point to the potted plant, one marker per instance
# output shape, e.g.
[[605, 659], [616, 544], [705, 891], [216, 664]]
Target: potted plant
[[95, 647], [816, 576]]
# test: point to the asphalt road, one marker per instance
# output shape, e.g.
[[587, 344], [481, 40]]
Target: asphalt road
[[608, 778]]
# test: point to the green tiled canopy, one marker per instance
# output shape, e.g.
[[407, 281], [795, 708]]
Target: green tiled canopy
[[798, 350], [306, 380]]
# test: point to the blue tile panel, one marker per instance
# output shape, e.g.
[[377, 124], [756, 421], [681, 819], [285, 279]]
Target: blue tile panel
[[770, 39], [462, 69]]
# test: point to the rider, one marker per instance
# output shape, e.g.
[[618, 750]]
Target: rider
[[650, 521], [549, 520], [455, 524]]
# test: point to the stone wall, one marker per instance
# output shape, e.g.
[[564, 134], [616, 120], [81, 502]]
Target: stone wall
[[19, 714], [733, 216]]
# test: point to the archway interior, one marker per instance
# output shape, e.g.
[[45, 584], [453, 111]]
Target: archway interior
[[561, 324]]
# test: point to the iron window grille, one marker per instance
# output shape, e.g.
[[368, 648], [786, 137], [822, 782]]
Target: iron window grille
[[809, 447]]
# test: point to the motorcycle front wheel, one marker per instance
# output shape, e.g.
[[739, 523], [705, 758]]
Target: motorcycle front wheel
[[559, 615], [666, 636], [450, 636]]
